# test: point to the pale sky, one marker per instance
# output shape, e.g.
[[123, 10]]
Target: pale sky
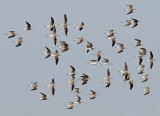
[[26, 64]]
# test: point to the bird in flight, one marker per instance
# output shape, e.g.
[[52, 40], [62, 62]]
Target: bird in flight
[[65, 24], [52, 86], [44, 97], [19, 42]]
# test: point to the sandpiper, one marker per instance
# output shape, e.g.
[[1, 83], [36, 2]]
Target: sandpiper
[[34, 86], [52, 86], [145, 78], [120, 47], [93, 94], [107, 79], [56, 56], [44, 97], [64, 24], [70, 105], [141, 69], [138, 42], [11, 34], [150, 60], [19, 41], [129, 9], [81, 26], [146, 90], [84, 78], [47, 52]]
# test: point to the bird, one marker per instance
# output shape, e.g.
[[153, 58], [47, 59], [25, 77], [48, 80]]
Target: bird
[[56, 56], [11, 34], [143, 51], [107, 79], [52, 86], [65, 24], [138, 42], [81, 26], [48, 52], [130, 9], [146, 90], [34, 86], [84, 78], [44, 97], [89, 46], [70, 105], [127, 22], [19, 42], [93, 62], [145, 78], [93, 94], [63, 46], [134, 22], [125, 70], [99, 55], [78, 101], [150, 60], [110, 33], [141, 69], [80, 40], [28, 27], [106, 61], [120, 47]]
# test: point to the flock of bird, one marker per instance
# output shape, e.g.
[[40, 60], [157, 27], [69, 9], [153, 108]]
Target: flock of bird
[[64, 47]]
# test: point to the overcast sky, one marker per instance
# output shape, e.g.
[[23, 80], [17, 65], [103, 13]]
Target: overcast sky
[[20, 66]]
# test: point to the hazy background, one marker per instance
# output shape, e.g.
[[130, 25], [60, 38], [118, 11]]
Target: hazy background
[[23, 65]]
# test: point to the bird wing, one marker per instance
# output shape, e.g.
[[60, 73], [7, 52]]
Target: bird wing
[[93, 92], [44, 95], [73, 69], [28, 25], [56, 60], [53, 90], [65, 18], [125, 66], [48, 50], [108, 72], [52, 21], [66, 30], [151, 55]]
